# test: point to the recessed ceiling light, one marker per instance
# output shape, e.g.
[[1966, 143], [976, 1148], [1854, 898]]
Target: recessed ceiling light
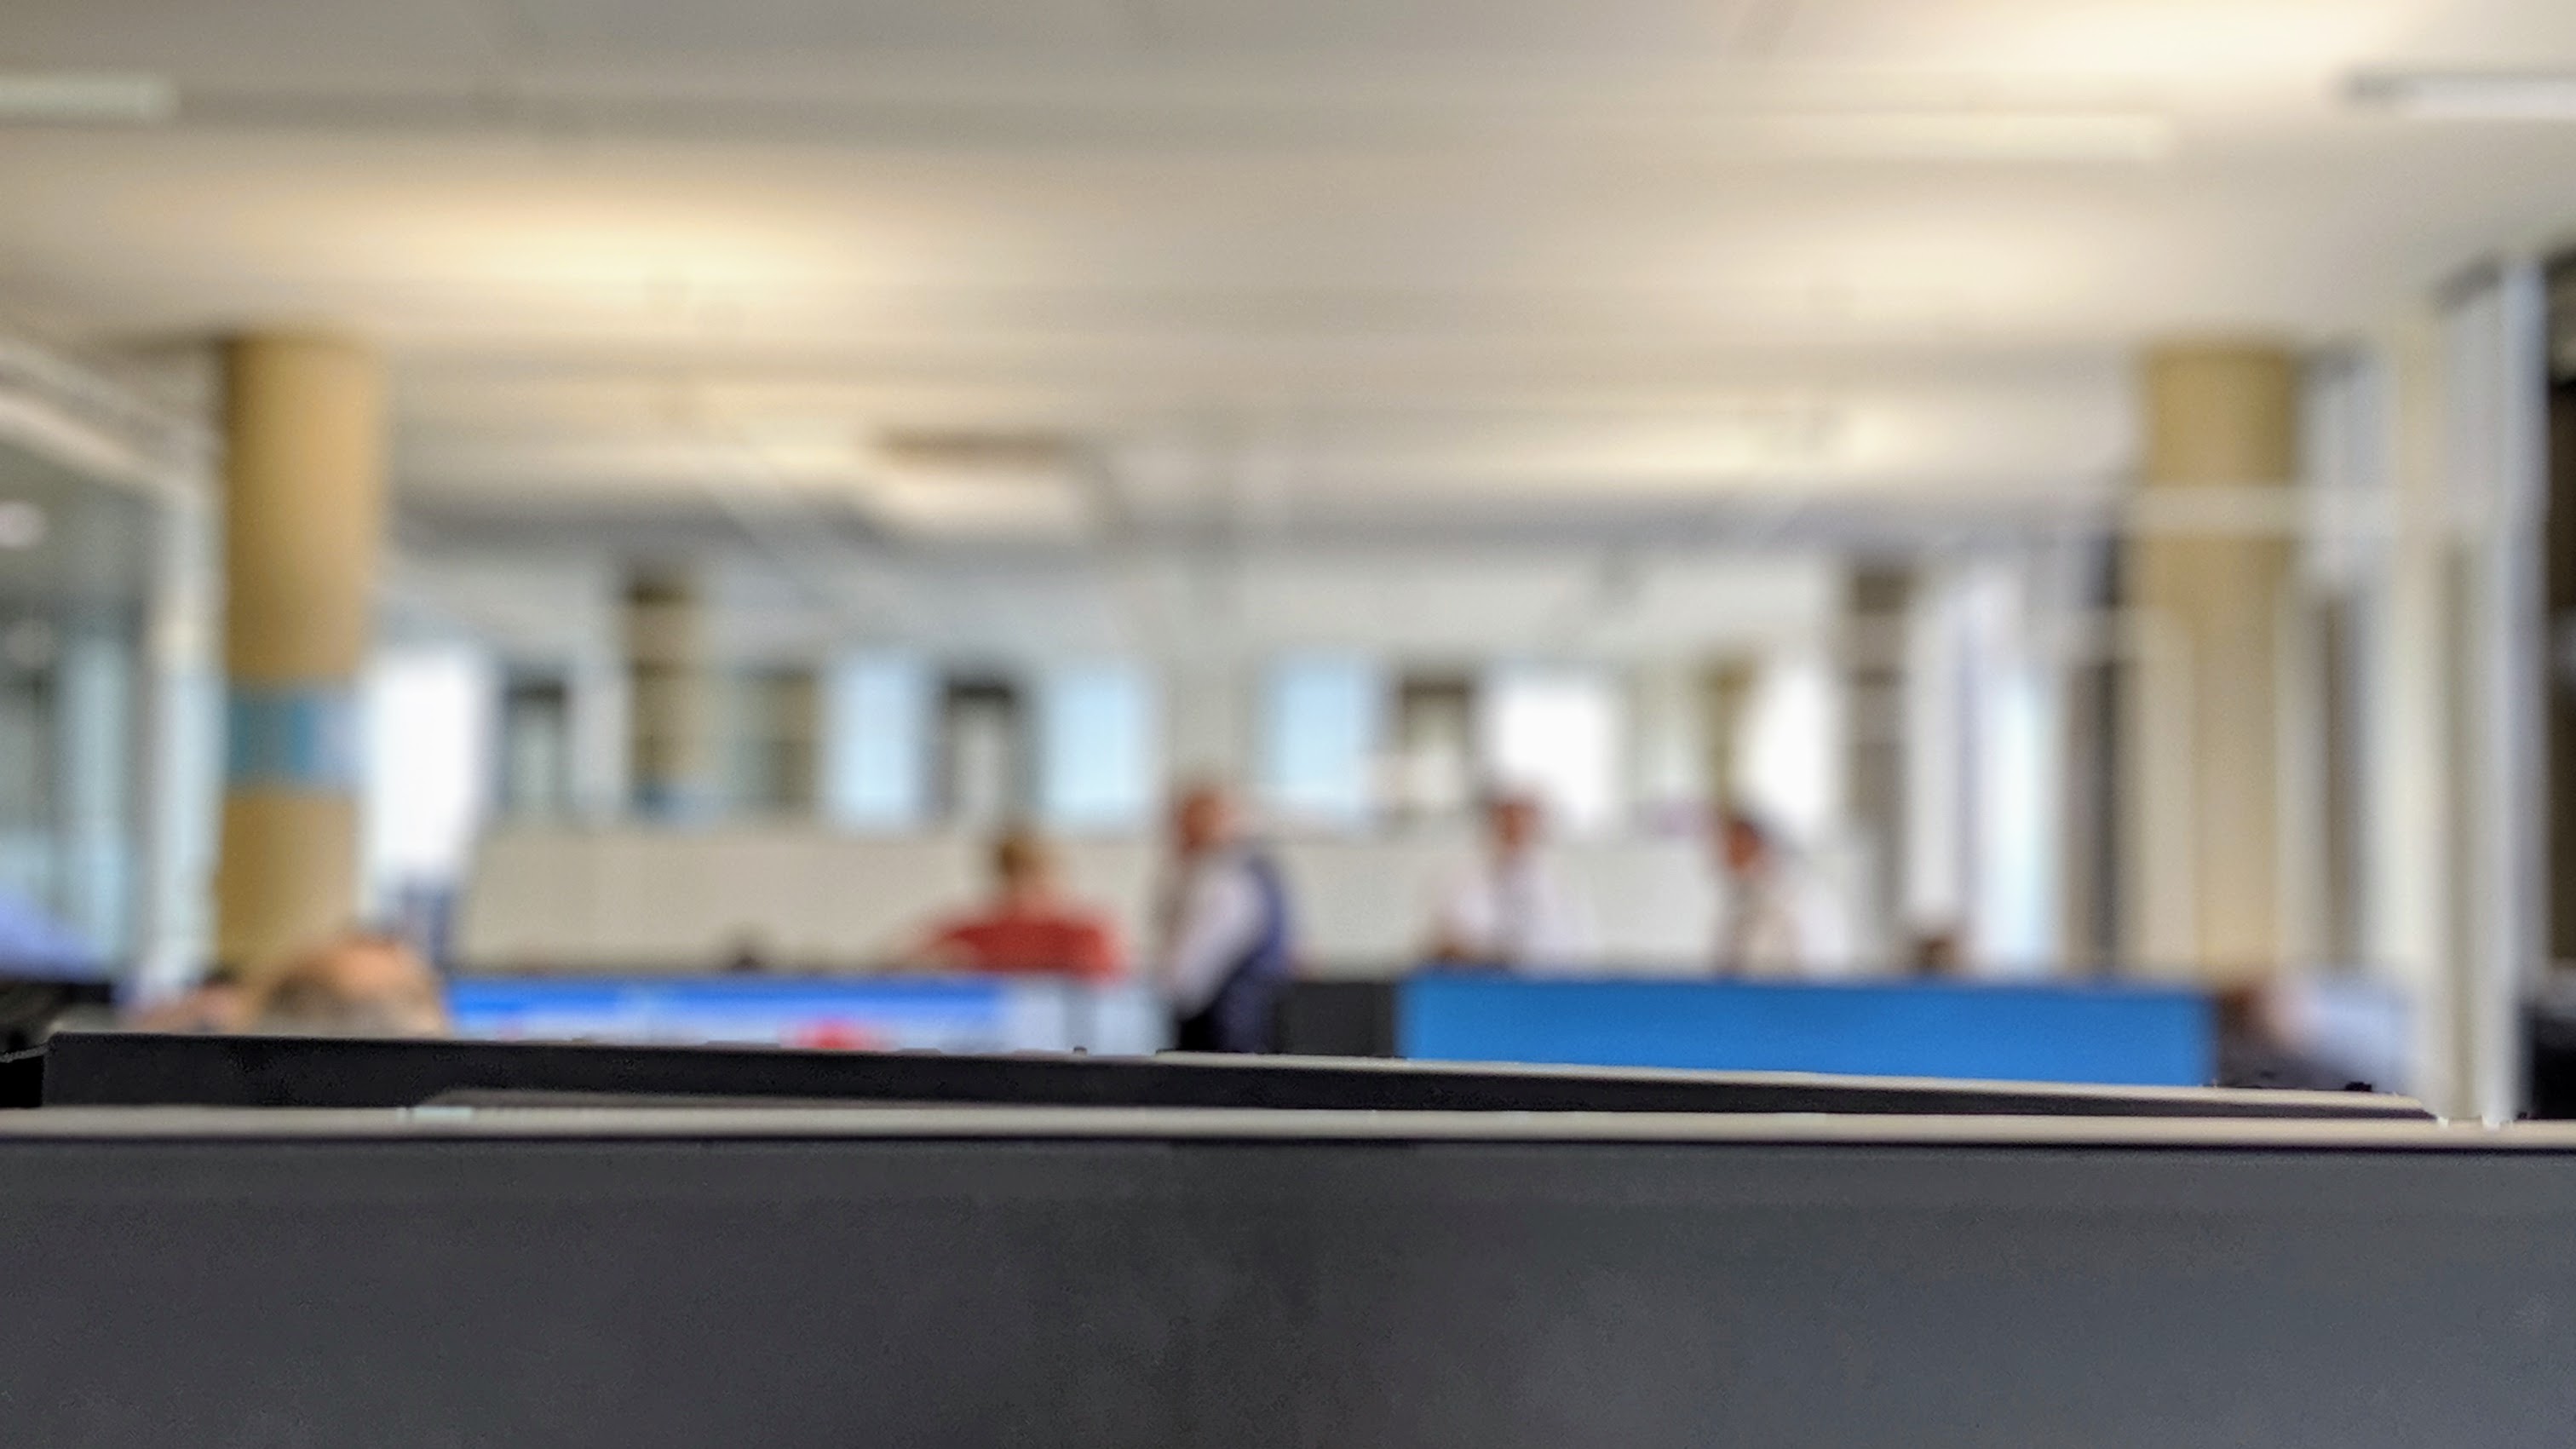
[[22, 524], [2469, 95], [74, 98]]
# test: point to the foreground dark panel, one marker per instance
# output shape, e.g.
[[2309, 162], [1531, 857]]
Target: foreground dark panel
[[1353, 1284], [134, 1069]]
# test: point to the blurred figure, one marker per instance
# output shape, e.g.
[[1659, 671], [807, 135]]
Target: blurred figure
[[749, 956], [1225, 944], [2255, 1048], [1511, 910], [1936, 955], [356, 985], [219, 1002], [1029, 925], [1776, 922]]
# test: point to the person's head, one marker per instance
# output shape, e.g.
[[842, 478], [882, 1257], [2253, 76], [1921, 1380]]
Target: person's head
[[1203, 818], [1936, 952], [750, 952], [1024, 865], [359, 985], [1744, 844], [1513, 822]]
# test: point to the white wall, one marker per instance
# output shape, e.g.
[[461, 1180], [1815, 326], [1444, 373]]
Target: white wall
[[654, 900]]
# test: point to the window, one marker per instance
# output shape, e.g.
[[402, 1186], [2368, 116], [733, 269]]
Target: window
[[427, 766], [536, 748], [772, 755], [1435, 745], [1320, 718], [1556, 733], [1792, 765], [984, 756], [876, 742], [1096, 766]]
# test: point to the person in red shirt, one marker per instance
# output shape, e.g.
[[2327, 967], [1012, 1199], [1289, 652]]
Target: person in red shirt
[[1029, 926]]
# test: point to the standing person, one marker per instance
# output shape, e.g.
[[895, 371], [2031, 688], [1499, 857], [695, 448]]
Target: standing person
[[1510, 909], [1030, 925], [1776, 922], [1225, 945]]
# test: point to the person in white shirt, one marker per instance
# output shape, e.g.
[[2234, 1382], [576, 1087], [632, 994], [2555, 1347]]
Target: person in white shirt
[[1225, 945], [1510, 909], [1778, 920]]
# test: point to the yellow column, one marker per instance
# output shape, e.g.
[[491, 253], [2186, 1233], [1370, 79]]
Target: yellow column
[[2205, 779], [670, 744], [303, 524]]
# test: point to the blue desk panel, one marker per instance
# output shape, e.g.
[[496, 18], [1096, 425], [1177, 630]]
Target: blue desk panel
[[2128, 1036], [873, 1013], [954, 1015]]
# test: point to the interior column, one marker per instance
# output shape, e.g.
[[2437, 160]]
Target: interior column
[[304, 490], [671, 764], [2208, 570]]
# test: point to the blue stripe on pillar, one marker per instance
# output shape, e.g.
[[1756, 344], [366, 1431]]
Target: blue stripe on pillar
[[291, 737]]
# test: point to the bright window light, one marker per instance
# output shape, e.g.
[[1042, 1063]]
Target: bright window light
[[1320, 725], [1096, 743], [427, 764], [1556, 733], [1791, 764], [876, 742]]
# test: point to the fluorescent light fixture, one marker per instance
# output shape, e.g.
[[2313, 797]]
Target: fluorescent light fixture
[[2469, 95], [22, 524], [72, 98]]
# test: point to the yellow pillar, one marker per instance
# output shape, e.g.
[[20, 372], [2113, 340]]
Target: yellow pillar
[[303, 524], [2208, 597], [670, 742]]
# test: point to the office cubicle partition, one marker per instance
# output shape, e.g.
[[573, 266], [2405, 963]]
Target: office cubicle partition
[[1129, 1280]]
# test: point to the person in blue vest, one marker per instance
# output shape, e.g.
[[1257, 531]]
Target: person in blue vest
[[1224, 950]]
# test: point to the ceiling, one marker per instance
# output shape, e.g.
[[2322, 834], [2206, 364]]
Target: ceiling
[[1246, 268]]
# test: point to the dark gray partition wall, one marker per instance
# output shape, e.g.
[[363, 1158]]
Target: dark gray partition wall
[[1128, 1280], [143, 1069]]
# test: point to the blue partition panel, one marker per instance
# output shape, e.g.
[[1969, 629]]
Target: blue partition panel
[[871, 1013], [955, 1015], [2131, 1036]]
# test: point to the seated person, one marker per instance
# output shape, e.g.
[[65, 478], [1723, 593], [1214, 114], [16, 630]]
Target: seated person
[[1029, 926], [355, 985], [1780, 920], [1509, 909]]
